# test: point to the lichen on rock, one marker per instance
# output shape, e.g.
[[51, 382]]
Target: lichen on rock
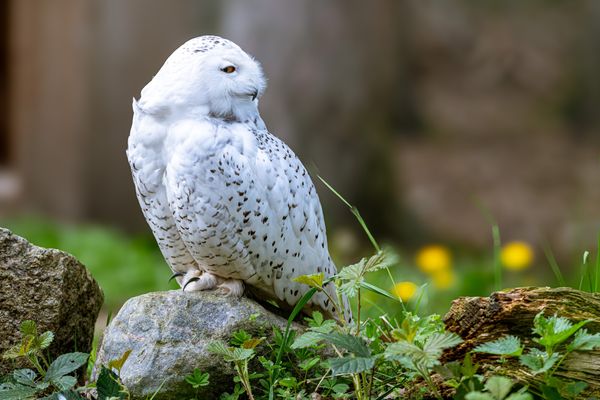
[[49, 287]]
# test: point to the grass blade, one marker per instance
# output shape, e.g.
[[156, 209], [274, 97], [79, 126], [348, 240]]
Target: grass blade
[[382, 292], [553, 264], [354, 211], [584, 268], [286, 337], [497, 263], [597, 266]]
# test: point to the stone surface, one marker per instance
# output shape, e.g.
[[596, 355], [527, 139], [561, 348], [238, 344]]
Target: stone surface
[[168, 332], [50, 287]]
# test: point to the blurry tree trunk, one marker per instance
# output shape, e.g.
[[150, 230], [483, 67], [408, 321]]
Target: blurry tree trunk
[[483, 319], [131, 40], [336, 80], [48, 72]]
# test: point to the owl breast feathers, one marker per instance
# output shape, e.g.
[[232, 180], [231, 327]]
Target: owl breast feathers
[[229, 204]]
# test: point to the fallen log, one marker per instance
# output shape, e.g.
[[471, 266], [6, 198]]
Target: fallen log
[[483, 319]]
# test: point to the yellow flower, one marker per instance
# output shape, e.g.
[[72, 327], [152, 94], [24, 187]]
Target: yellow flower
[[516, 256], [405, 290], [433, 258], [443, 279]]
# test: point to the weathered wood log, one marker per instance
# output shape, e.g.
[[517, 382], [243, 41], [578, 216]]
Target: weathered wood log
[[483, 319]]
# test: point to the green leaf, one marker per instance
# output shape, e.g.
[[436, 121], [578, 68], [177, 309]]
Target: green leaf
[[340, 388], [65, 364], [230, 354], [550, 393], [308, 364], [45, 340], [220, 348], [108, 385], [239, 337], [198, 378], [307, 339], [25, 377], [353, 344], [380, 291], [315, 320], [118, 363], [350, 365], [17, 392], [438, 342], [468, 369], [499, 386], [573, 389], [326, 327], [13, 352], [385, 258], [478, 396], [289, 382], [584, 341], [401, 350], [352, 278], [554, 330], [520, 396], [28, 328], [64, 382], [504, 346], [312, 280], [538, 361], [427, 354]]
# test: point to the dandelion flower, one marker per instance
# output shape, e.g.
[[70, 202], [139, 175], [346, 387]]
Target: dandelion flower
[[433, 258], [405, 290], [516, 256], [443, 279]]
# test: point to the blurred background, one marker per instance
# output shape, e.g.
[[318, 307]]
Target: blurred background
[[439, 120]]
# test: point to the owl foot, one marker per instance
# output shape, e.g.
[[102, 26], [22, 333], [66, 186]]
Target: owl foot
[[196, 280], [231, 287], [177, 276]]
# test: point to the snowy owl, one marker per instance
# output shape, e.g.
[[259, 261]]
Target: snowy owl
[[230, 205]]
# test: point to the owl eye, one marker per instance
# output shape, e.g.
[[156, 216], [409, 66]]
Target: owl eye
[[228, 69]]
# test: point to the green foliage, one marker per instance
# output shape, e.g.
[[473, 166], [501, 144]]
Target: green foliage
[[53, 380], [109, 385], [239, 356], [498, 388], [198, 379], [552, 333], [505, 346], [28, 383], [351, 278]]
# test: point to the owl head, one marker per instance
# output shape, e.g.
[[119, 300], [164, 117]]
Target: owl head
[[207, 75]]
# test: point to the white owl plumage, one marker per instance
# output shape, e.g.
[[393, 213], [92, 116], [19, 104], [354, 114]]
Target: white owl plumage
[[228, 202]]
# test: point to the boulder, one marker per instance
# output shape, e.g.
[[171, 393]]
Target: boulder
[[49, 287], [168, 333]]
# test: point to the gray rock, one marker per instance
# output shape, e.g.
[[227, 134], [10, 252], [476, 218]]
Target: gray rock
[[168, 332], [49, 287]]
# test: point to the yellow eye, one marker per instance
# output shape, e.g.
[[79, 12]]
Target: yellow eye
[[228, 69]]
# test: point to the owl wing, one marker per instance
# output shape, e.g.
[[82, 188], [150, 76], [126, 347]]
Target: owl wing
[[246, 208], [147, 172]]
